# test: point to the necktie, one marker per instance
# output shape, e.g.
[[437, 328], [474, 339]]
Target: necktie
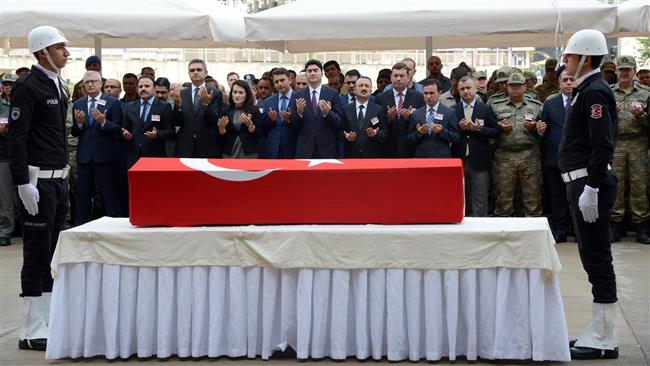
[[360, 115], [430, 116], [143, 115], [314, 102], [91, 119], [283, 104], [196, 100], [400, 103], [468, 112], [353, 99]]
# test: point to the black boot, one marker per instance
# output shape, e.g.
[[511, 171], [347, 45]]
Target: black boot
[[642, 234], [615, 231]]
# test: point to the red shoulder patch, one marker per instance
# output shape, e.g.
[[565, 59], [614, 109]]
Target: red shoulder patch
[[596, 111]]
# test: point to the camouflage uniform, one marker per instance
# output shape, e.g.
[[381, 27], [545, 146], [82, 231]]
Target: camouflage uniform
[[630, 155], [517, 157], [545, 90], [502, 75]]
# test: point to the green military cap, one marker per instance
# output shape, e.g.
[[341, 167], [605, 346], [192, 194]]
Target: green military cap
[[550, 63], [608, 66], [503, 73], [11, 77], [481, 74], [529, 75], [625, 62], [516, 78]]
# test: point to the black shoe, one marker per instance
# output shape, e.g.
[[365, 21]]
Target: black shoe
[[5, 241], [587, 353], [560, 239], [38, 344], [642, 235], [615, 232]]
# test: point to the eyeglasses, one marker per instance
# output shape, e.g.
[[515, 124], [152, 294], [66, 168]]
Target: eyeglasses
[[195, 70], [88, 82], [564, 80]]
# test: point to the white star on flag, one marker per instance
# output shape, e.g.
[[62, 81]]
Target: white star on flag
[[314, 162]]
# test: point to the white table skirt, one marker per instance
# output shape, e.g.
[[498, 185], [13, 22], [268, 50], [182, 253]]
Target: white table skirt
[[494, 313]]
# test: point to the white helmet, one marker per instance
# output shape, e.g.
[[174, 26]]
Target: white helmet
[[587, 42], [44, 36]]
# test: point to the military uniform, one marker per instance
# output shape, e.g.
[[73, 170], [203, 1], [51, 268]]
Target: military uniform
[[517, 157], [629, 162], [502, 75], [38, 138], [545, 90]]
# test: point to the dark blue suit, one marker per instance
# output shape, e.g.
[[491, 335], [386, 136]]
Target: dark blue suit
[[317, 134], [553, 113], [474, 148], [159, 116], [364, 146], [280, 139], [198, 133], [477, 143], [397, 145], [434, 145], [98, 155]]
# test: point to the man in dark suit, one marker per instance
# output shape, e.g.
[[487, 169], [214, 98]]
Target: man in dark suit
[[147, 123], [553, 117], [433, 127], [363, 124], [399, 102], [478, 124], [196, 111], [316, 116], [280, 139], [98, 124]]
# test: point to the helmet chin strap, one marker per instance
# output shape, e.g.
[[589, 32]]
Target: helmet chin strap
[[580, 65], [49, 60]]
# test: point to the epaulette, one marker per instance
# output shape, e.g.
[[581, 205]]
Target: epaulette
[[641, 86], [534, 101]]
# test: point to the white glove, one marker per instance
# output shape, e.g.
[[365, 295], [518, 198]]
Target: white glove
[[588, 204], [28, 193]]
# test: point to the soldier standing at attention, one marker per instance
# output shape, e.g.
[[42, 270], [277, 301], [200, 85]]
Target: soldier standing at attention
[[517, 155], [39, 168], [585, 155], [630, 155]]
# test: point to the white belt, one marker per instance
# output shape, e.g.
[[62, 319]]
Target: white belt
[[48, 174], [577, 174]]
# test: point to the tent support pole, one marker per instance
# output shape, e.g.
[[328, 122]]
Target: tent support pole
[[428, 48], [98, 47]]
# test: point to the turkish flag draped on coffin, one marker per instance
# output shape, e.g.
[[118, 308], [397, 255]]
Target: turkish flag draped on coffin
[[190, 192]]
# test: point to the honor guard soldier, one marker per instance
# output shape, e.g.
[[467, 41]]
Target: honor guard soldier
[[630, 155], [585, 157], [39, 168]]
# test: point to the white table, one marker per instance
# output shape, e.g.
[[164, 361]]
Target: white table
[[484, 288]]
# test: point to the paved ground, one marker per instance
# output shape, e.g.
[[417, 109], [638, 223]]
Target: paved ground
[[631, 260]]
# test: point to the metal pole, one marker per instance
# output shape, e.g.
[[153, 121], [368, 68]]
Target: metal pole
[[98, 47], [428, 44]]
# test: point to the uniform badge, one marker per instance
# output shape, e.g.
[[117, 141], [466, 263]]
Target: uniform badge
[[596, 111], [15, 113], [439, 116], [374, 120], [101, 102], [155, 118]]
